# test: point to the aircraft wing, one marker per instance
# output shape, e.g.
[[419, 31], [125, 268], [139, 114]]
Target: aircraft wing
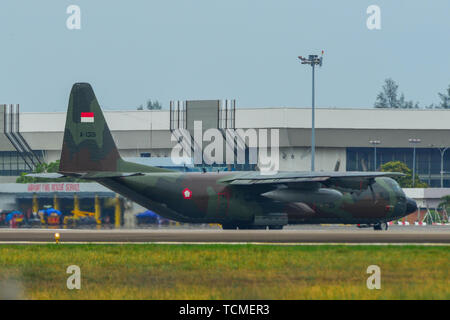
[[252, 178]]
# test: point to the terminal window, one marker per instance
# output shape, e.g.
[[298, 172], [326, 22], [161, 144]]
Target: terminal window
[[428, 162], [12, 163]]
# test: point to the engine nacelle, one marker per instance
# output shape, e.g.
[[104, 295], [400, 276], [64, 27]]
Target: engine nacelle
[[321, 195]]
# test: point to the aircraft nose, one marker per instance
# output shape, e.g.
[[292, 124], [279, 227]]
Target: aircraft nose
[[411, 206]]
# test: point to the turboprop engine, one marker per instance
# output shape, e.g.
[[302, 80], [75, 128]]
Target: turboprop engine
[[321, 195]]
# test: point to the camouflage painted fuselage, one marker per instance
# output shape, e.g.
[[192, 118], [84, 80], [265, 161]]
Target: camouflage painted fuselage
[[213, 201]]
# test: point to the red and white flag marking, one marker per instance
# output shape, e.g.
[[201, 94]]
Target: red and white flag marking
[[87, 117]]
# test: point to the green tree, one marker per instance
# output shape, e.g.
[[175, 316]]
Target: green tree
[[445, 206], [445, 100], [154, 105], [388, 97], [445, 202], [406, 180], [151, 105]]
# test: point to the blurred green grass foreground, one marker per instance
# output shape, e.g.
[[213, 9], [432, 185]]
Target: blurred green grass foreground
[[163, 271]]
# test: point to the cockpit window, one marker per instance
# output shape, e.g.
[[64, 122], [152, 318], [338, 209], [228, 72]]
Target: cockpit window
[[393, 184]]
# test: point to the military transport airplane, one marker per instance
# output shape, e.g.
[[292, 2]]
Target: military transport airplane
[[243, 200]]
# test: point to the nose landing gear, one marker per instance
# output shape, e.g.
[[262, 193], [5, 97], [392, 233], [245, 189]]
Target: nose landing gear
[[380, 226]]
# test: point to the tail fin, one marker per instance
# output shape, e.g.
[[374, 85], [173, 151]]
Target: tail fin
[[88, 145]]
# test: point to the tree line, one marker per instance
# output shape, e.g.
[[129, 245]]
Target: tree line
[[151, 105], [389, 97]]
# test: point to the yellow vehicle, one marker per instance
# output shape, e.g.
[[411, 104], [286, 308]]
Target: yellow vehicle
[[77, 215]]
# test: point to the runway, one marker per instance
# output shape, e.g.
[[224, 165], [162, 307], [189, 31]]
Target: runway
[[401, 235]]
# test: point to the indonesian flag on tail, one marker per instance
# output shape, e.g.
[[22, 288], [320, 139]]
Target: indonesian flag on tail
[[87, 117]]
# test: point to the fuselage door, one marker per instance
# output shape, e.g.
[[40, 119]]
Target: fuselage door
[[223, 203]]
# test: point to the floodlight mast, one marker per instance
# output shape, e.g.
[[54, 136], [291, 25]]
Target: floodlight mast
[[442, 151], [414, 141], [312, 60], [374, 143]]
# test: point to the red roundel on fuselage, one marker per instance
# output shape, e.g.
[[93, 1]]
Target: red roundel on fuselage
[[187, 194]]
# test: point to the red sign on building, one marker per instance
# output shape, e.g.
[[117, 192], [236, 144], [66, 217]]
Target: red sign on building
[[53, 187]]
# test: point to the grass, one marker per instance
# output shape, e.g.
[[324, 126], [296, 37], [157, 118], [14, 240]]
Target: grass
[[157, 271]]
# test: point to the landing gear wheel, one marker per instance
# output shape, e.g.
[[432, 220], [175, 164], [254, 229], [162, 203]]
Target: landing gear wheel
[[245, 227], [381, 226], [229, 227], [275, 227]]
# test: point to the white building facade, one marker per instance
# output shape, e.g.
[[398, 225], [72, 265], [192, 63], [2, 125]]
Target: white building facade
[[342, 136]]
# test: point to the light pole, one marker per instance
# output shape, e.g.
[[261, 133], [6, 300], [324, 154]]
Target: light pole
[[442, 150], [312, 60], [375, 143], [414, 141]]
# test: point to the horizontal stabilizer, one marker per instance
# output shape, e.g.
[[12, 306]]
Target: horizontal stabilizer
[[51, 175], [89, 175], [109, 174]]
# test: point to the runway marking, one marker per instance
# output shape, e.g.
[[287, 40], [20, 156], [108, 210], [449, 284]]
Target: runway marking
[[231, 243], [208, 236]]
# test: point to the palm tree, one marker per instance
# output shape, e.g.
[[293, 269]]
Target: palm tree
[[444, 204]]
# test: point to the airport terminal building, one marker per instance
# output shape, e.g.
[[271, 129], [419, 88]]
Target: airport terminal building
[[342, 136]]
